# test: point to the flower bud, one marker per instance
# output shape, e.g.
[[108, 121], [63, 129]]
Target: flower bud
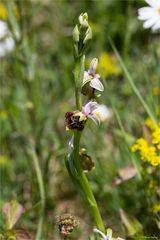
[[86, 161], [83, 20], [88, 35], [82, 35], [76, 34]]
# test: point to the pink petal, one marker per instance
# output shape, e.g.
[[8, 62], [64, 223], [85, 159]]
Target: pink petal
[[93, 66], [89, 107], [96, 84]]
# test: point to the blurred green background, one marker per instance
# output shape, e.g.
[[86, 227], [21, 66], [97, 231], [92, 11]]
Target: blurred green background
[[37, 89]]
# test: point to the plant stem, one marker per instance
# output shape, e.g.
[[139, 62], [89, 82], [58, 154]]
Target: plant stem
[[85, 184], [41, 190], [78, 76], [12, 20], [79, 73]]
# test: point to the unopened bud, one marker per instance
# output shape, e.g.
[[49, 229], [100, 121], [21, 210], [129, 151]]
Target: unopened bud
[[82, 35], [88, 35], [76, 34], [83, 20]]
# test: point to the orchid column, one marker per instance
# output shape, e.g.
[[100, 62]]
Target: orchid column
[[86, 83]]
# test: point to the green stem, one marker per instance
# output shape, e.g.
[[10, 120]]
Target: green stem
[[78, 76], [79, 73], [12, 20], [85, 184], [41, 190]]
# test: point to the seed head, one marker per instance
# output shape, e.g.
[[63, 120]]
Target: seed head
[[66, 223]]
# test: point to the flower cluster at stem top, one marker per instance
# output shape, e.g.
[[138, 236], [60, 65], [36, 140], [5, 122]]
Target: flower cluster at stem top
[[149, 150]]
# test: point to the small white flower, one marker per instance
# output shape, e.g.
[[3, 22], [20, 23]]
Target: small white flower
[[108, 236], [150, 14], [92, 77], [3, 29], [6, 40], [97, 112]]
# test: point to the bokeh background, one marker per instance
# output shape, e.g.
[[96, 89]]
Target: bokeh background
[[37, 89]]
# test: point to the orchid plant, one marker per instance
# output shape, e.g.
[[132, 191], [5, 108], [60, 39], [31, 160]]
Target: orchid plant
[[87, 83]]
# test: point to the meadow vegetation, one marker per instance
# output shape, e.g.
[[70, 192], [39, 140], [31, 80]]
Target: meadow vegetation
[[121, 156]]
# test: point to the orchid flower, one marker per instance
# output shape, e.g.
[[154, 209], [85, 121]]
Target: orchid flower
[[92, 77], [97, 112], [108, 236]]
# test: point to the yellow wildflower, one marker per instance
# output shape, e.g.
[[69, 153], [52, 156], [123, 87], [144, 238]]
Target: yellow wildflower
[[147, 152], [156, 91], [4, 161], [155, 129], [156, 137], [4, 13], [151, 184], [3, 114], [156, 208], [155, 160], [108, 65], [149, 123], [158, 111]]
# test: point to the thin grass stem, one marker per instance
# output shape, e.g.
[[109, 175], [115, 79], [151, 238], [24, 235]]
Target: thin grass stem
[[34, 157], [125, 139], [131, 82]]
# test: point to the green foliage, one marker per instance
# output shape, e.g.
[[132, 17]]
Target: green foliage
[[37, 89]]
